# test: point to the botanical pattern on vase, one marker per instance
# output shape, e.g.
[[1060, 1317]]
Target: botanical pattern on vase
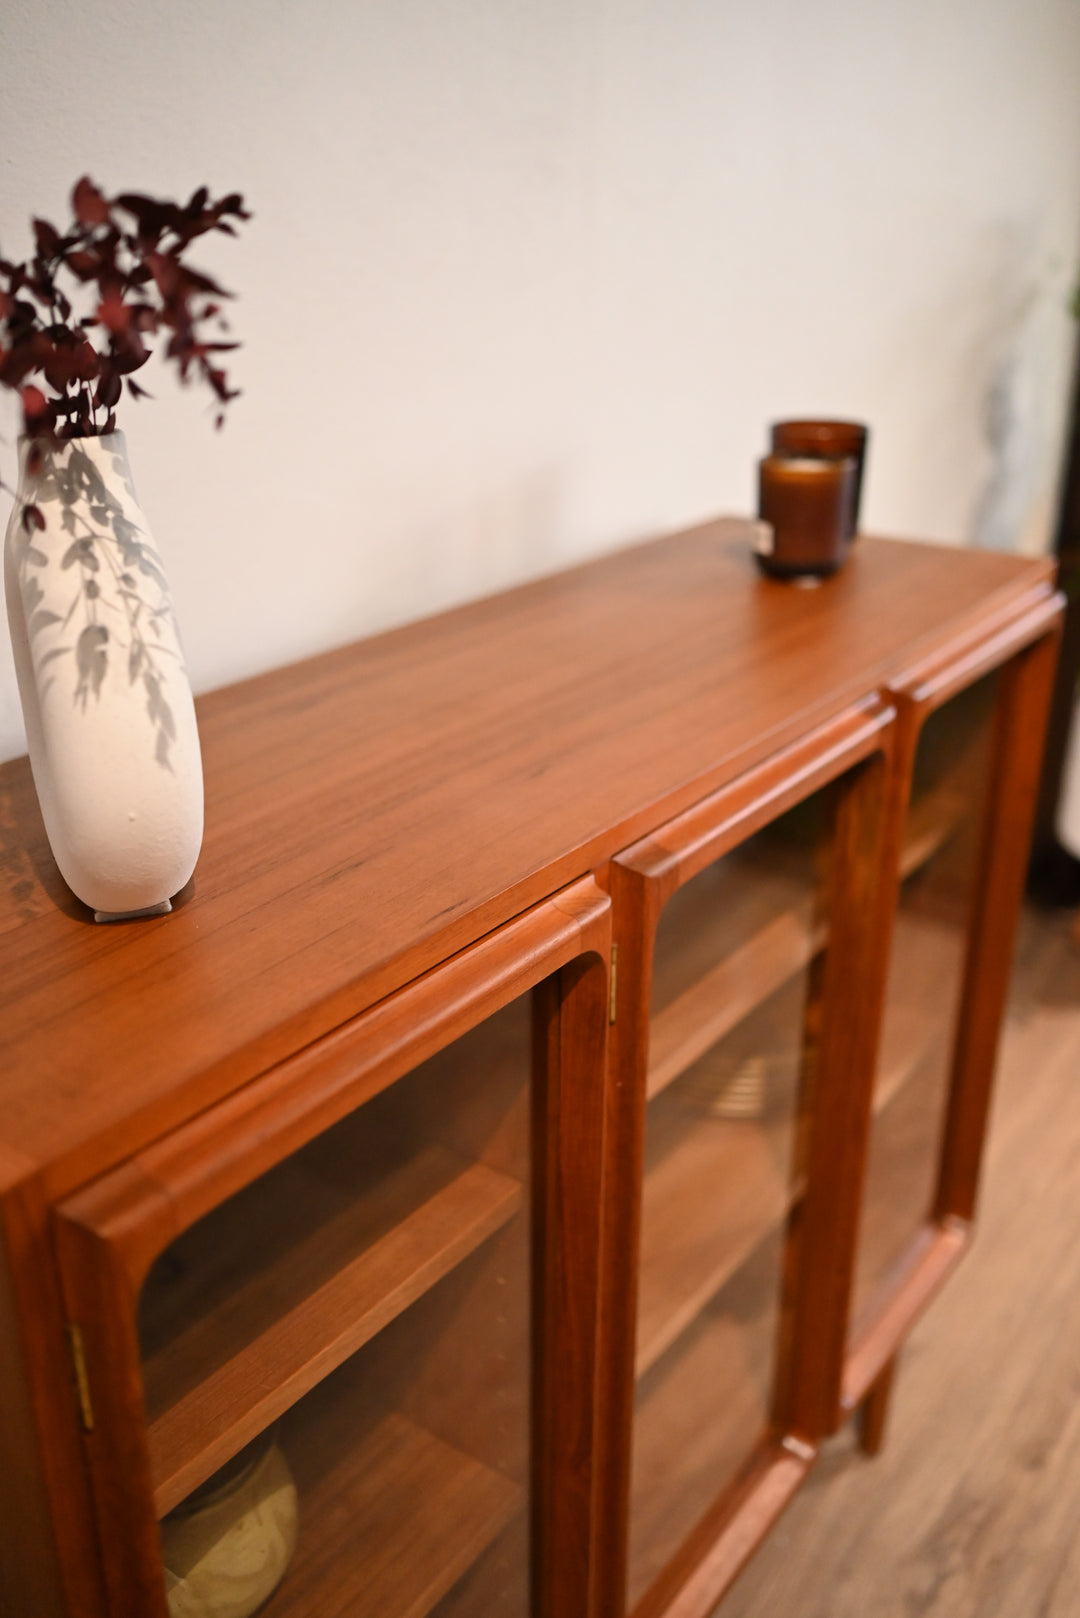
[[101, 593]]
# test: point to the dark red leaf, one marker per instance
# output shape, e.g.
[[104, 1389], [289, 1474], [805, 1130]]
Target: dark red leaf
[[166, 272], [60, 368], [112, 311], [33, 405], [16, 365], [32, 518], [86, 362], [143, 286], [83, 263], [108, 390], [47, 237], [153, 217], [88, 204], [128, 354], [196, 281]]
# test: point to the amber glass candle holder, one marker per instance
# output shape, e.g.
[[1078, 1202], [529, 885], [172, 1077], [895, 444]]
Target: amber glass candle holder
[[805, 507], [826, 440]]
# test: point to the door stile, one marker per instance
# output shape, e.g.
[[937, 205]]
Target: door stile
[[1019, 735], [843, 1012], [637, 901], [570, 1077], [642, 879]]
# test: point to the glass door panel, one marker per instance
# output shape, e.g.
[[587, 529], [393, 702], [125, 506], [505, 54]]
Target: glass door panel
[[736, 970], [939, 870], [336, 1360]]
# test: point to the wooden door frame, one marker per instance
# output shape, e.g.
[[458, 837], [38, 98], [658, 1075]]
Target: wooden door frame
[[855, 743], [109, 1233], [1024, 654]]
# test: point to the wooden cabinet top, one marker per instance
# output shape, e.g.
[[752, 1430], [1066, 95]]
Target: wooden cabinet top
[[373, 810]]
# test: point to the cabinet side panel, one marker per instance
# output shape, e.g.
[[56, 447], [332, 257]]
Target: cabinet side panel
[[29, 1577], [43, 1486]]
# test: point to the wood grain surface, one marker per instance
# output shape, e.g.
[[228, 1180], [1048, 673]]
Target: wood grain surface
[[399, 1515], [374, 809]]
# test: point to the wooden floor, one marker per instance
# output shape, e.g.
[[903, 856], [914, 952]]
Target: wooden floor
[[973, 1507]]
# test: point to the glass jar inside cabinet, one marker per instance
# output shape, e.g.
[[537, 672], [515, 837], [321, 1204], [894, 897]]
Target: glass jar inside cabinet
[[742, 932], [341, 1363]]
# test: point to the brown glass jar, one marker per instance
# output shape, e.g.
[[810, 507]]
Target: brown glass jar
[[826, 440], [805, 508]]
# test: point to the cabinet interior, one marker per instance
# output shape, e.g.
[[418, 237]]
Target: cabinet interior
[[369, 1299]]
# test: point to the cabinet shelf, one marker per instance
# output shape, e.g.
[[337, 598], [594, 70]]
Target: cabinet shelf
[[701, 1410], [758, 925], [715, 1188], [909, 1098], [926, 954], [388, 1523], [719, 1000], [295, 1313], [493, 1586]]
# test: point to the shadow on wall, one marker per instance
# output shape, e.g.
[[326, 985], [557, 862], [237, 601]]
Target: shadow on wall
[[1015, 509]]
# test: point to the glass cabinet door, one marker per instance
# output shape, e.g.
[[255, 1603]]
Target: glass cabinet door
[[732, 1007], [340, 1397], [364, 1307], [730, 1053], [940, 877]]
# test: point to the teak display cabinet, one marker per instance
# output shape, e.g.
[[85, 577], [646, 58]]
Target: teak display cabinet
[[554, 1103]]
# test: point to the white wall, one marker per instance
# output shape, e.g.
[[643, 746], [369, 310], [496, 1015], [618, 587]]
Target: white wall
[[528, 278]]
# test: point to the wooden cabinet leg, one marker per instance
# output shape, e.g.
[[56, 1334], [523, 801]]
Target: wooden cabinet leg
[[874, 1410]]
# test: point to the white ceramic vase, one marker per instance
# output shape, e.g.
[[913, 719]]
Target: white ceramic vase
[[110, 721]]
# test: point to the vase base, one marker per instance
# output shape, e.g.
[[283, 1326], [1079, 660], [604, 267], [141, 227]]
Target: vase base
[[162, 909]]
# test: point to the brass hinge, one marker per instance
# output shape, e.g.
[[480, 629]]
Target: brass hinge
[[82, 1381], [613, 983]]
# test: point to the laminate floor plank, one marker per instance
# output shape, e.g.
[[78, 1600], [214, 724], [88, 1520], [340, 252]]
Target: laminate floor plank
[[973, 1505]]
